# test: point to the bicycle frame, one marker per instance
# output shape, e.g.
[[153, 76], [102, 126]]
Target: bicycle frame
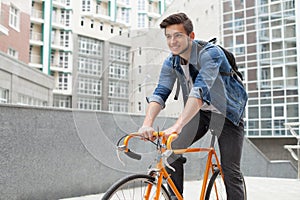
[[163, 174]]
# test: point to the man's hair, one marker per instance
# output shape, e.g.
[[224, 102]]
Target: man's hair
[[178, 18]]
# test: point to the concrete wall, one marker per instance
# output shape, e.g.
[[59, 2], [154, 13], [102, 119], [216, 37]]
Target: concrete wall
[[273, 148], [55, 153]]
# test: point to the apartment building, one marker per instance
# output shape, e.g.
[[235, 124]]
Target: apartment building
[[263, 36], [20, 84], [3, 29], [15, 23], [85, 46]]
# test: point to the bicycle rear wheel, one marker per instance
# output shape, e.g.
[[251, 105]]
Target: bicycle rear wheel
[[216, 187], [134, 187]]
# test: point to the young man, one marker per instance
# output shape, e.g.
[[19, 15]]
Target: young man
[[214, 99]]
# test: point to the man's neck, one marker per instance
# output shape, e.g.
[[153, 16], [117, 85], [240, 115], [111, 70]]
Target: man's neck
[[186, 54]]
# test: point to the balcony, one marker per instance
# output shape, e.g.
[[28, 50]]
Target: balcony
[[36, 38], [101, 17], [35, 61], [3, 30], [56, 67], [37, 16], [153, 15], [121, 4], [59, 45], [60, 23], [153, 12], [59, 3], [101, 14]]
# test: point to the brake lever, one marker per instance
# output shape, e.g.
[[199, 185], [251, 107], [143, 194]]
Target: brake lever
[[120, 149]]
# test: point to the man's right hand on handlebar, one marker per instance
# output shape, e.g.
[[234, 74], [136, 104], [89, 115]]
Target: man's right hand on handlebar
[[147, 132]]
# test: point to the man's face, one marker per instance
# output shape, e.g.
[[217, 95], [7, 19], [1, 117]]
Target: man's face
[[177, 38]]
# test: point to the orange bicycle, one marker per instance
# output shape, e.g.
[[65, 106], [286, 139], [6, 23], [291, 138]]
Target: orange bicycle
[[152, 185]]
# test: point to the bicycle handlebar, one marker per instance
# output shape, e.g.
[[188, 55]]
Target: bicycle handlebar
[[137, 156]]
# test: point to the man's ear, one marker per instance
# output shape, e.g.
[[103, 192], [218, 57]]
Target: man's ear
[[192, 35]]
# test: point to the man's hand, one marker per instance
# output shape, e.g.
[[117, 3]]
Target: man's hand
[[175, 129], [147, 132]]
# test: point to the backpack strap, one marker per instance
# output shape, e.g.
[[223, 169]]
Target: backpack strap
[[177, 90]]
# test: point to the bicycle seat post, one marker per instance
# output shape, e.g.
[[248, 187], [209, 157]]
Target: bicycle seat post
[[213, 139]]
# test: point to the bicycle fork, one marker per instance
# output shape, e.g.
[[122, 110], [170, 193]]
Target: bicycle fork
[[162, 174]]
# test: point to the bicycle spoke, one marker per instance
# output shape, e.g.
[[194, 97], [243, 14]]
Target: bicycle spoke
[[135, 187]]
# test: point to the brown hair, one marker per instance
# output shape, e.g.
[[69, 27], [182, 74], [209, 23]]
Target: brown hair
[[178, 18]]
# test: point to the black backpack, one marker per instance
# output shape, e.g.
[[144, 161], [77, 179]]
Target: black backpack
[[231, 59]]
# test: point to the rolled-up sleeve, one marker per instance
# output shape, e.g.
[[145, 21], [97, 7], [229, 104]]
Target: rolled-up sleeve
[[157, 99], [165, 84]]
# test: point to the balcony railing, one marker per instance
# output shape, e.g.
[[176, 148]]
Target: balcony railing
[[36, 36], [35, 59], [36, 14]]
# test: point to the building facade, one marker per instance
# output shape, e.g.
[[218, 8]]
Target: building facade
[[84, 46], [19, 83], [264, 35]]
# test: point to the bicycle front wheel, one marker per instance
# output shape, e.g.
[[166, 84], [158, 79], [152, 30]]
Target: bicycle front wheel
[[135, 187], [216, 187]]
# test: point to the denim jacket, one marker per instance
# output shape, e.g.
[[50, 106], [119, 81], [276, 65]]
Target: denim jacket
[[225, 93]]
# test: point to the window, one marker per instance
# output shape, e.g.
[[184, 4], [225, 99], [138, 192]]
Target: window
[[90, 66], [90, 47], [118, 106], [126, 15], [62, 101], [118, 71], [14, 17], [82, 21], [62, 81], [141, 20], [141, 5], [278, 111], [111, 29], [64, 59], [86, 5], [28, 100], [3, 95], [65, 17], [292, 110], [277, 72], [118, 89], [92, 23], [89, 86], [119, 53], [65, 38], [13, 53], [89, 104]]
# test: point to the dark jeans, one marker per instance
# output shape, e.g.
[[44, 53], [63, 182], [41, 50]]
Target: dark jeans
[[230, 140]]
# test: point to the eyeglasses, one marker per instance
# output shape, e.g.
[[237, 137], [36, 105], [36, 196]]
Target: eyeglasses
[[175, 36]]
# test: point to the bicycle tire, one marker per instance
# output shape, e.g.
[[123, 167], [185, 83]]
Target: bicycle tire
[[217, 178], [133, 187], [217, 192]]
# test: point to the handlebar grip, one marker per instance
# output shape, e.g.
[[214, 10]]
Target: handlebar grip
[[170, 140], [133, 155]]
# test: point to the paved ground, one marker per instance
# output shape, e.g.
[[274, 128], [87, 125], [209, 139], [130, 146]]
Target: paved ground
[[257, 189]]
